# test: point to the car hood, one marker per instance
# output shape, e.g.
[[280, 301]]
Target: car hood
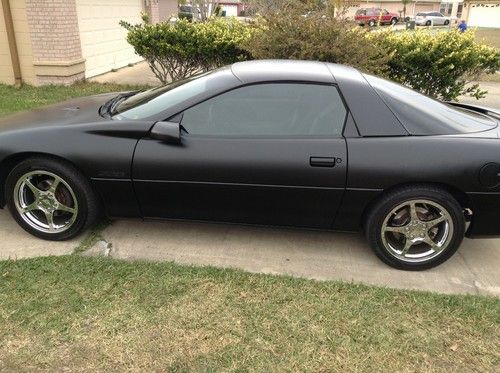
[[75, 111]]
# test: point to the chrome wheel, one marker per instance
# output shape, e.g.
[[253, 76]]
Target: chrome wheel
[[46, 202], [417, 230]]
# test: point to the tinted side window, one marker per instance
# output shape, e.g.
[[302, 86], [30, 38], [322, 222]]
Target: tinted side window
[[278, 109]]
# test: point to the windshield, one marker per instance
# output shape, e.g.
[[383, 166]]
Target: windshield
[[422, 115], [153, 101]]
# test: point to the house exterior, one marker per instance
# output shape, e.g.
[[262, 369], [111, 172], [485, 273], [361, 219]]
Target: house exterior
[[396, 6], [482, 13], [233, 8], [477, 13], [62, 41]]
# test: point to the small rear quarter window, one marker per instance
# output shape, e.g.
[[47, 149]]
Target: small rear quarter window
[[422, 115]]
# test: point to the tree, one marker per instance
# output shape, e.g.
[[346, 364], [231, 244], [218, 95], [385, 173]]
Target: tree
[[315, 36], [204, 8], [405, 3]]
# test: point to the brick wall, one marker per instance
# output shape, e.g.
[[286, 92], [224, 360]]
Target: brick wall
[[54, 26], [55, 40], [151, 8]]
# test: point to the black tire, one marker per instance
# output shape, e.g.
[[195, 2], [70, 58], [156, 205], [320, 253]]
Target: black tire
[[87, 207], [382, 209], [446, 23], [371, 23], [394, 21], [428, 23]]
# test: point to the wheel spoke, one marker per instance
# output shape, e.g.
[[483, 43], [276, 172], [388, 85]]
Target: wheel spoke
[[395, 229], [50, 220], [406, 248], [434, 222], [36, 192], [55, 184], [31, 207], [65, 208], [413, 211], [429, 241]]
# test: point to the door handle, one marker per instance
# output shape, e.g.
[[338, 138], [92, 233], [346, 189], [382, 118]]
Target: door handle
[[324, 161]]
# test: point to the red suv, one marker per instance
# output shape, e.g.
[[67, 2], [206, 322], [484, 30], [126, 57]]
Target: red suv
[[372, 16]]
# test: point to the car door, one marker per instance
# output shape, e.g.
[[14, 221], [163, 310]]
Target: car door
[[268, 153], [386, 17], [438, 19]]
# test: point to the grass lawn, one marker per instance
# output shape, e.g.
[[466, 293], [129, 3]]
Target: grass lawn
[[73, 313], [490, 35], [28, 97]]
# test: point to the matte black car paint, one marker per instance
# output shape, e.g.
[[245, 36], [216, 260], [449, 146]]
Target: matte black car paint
[[267, 181]]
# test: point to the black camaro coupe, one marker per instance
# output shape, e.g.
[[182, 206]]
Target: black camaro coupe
[[290, 143]]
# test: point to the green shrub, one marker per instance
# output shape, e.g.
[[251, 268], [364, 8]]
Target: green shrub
[[315, 36], [440, 65], [177, 51]]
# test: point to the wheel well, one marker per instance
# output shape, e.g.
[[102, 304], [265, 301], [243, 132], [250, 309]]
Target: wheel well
[[458, 194], [12, 161]]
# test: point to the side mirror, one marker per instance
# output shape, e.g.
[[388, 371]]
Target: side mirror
[[167, 131]]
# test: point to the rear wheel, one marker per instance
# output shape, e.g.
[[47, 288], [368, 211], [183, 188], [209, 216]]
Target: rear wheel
[[428, 23], [371, 23], [50, 199], [416, 228]]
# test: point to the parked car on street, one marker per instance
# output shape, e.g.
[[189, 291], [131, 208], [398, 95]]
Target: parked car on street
[[289, 143], [431, 18], [374, 16]]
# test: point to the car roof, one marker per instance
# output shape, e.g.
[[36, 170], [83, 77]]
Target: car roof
[[284, 70]]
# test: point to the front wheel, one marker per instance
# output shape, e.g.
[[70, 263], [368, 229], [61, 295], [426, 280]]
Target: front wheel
[[446, 23], [50, 199], [394, 21], [415, 228], [371, 23], [428, 23]]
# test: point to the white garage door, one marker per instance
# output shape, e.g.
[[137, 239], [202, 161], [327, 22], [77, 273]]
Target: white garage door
[[484, 15], [104, 44], [231, 10]]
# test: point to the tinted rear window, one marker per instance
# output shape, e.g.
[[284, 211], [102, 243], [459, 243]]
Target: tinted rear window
[[422, 115]]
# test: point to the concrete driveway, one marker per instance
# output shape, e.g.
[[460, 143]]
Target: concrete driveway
[[303, 253], [15, 243]]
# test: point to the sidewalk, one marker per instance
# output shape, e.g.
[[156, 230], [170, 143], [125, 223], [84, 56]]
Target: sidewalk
[[138, 74]]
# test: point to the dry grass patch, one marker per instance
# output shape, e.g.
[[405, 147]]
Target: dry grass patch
[[27, 97]]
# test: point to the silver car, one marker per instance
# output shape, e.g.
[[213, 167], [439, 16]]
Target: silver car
[[431, 19]]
